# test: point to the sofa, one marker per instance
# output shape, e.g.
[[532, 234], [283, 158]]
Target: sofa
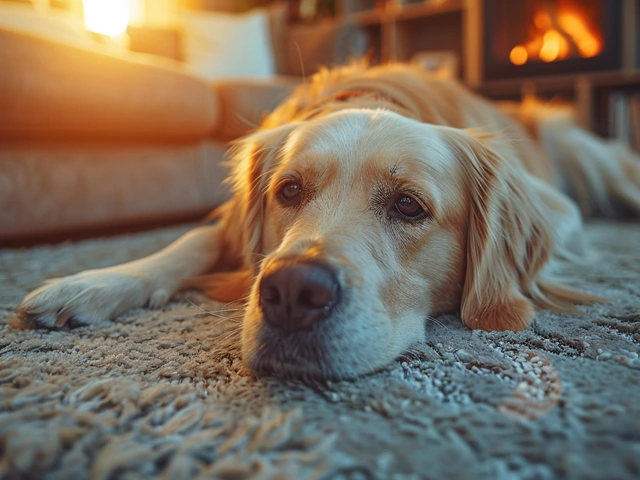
[[93, 140], [96, 139]]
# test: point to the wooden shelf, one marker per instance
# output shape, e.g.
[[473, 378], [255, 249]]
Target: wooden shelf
[[396, 13], [588, 92], [555, 83]]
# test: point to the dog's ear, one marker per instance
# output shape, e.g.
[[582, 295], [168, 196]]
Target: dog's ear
[[509, 240], [254, 158]]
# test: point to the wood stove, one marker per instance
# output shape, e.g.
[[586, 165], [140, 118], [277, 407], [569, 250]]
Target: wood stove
[[533, 38]]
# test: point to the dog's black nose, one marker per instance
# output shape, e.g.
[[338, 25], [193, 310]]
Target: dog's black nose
[[295, 296]]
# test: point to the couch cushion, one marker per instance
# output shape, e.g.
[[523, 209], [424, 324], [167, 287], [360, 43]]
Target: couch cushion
[[278, 26], [244, 103], [49, 88], [50, 188], [325, 43]]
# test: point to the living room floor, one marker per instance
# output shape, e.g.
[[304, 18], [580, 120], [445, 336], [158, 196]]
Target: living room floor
[[163, 393]]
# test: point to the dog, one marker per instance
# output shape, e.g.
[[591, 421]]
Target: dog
[[372, 199]]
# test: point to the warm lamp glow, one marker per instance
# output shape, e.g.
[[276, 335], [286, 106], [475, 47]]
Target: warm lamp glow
[[107, 17]]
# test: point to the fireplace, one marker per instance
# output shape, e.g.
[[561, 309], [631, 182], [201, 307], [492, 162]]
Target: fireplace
[[532, 38]]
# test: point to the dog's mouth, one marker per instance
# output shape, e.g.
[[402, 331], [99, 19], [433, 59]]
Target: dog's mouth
[[338, 346], [302, 355], [312, 318], [322, 354], [288, 326]]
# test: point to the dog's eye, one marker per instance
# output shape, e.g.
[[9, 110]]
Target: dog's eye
[[289, 193], [407, 207]]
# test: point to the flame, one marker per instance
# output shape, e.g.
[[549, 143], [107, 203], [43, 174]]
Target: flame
[[542, 20], [554, 42], [554, 47], [588, 45], [518, 55]]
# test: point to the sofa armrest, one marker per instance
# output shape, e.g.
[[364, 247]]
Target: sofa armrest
[[244, 103]]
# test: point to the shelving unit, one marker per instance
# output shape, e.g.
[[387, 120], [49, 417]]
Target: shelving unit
[[401, 30], [550, 84], [591, 93], [398, 13]]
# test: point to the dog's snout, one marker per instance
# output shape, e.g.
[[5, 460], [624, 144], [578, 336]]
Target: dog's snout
[[295, 296]]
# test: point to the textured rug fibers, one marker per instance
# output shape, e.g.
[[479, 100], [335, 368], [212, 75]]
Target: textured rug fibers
[[162, 394]]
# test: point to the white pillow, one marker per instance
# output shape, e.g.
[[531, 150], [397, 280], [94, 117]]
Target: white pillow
[[225, 45]]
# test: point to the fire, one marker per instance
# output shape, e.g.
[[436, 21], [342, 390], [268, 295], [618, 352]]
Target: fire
[[518, 55], [557, 40], [554, 47], [588, 44]]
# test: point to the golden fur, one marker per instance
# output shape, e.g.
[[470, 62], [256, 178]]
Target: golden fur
[[497, 228]]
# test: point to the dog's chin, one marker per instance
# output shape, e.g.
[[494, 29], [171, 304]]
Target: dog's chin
[[312, 372], [323, 353]]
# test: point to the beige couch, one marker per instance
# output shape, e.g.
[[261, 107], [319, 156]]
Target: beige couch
[[95, 138], [90, 140]]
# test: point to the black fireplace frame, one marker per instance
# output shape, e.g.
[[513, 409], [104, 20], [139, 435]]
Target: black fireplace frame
[[609, 59]]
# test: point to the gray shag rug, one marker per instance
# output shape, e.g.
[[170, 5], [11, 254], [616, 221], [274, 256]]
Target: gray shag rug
[[162, 394]]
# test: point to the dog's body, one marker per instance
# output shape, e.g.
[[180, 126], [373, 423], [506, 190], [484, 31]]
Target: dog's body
[[361, 207]]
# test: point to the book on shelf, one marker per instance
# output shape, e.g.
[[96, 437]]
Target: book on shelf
[[619, 116], [624, 118], [634, 120]]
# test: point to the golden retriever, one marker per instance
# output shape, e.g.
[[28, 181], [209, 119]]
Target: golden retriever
[[368, 201]]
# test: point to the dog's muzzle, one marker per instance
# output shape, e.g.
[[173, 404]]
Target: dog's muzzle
[[295, 296]]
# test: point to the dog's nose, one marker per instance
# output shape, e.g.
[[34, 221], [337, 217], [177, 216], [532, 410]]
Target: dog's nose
[[295, 296]]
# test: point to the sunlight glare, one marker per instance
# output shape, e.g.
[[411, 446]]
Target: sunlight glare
[[107, 17]]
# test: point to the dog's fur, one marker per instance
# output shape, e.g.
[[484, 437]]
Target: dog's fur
[[490, 180]]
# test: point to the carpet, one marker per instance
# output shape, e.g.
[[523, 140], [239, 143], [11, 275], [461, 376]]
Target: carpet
[[162, 393]]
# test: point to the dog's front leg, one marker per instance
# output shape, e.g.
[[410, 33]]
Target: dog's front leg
[[97, 295]]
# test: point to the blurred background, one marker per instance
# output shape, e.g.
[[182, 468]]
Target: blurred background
[[116, 114]]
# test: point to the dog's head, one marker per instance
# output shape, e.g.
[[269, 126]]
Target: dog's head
[[360, 224]]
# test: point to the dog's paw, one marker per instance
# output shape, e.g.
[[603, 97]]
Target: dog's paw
[[89, 297]]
